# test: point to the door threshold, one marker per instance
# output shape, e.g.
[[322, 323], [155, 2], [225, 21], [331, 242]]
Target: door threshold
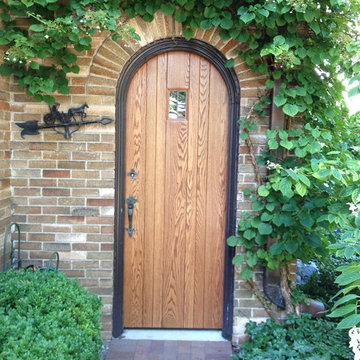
[[170, 334]]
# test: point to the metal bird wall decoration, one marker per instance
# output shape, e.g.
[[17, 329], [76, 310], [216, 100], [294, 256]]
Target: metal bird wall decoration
[[56, 120]]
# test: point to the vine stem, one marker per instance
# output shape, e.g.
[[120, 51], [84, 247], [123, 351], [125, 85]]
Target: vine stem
[[255, 289], [251, 148], [260, 297]]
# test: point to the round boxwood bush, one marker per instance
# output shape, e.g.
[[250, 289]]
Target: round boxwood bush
[[297, 338], [47, 316]]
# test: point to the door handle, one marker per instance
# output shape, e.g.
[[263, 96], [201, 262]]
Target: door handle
[[130, 203]]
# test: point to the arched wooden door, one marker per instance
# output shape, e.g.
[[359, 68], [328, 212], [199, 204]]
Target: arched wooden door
[[176, 149]]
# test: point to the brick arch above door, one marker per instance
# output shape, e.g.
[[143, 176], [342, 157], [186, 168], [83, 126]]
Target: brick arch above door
[[110, 57]]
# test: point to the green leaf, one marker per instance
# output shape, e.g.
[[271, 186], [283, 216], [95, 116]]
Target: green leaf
[[257, 205], [343, 310], [344, 299], [290, 109], [247, 191], [85, 41], [276, 248], [265, 229], [301, 189], [247, 17], [347, 278], [232, 240], [243, 135], [251, 259], [306, 220], [264, 12], [249, 234], [73, 37], [273, 144], [34, 65], [269, 84], [285, 188], [304, 180], [37, 28], [230, 63], [180, 16], [263, 191], [280, 100], [322, 174], [300, 152], [279, 40], [287, 144], [70, 58], [226, 23], [188, 33], [246, 273], [266, 216], [238, 260], [349, 322], [309, 15], [291, 246]]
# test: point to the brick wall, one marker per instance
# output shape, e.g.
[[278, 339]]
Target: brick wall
[[63, 190], [5, 209]]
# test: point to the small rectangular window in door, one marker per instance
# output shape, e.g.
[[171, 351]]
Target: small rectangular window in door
[[177, 105]]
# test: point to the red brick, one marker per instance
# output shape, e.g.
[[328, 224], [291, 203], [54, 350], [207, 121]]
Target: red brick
[[50, 146], [85, 246], [85, 156], [41, 237], [86, 229], [99, 220], [78, 165], [55, 192], [85, 174], [43, 182], [101, 147], [107, 229], [55, 229], [70, 219], [40, 254], [107, 247], [27, 191], [100, 202], [56, 173], [41, 219]]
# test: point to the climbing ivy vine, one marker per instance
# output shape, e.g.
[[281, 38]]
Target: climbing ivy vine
[[311, 196]]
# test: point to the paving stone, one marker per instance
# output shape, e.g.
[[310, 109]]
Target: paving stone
[[121, 349]]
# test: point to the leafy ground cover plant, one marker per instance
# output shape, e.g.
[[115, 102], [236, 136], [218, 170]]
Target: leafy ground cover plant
[[303, 47], [298, 338], [47, 316]]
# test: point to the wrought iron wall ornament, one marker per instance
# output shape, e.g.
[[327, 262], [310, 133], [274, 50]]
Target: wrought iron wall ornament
[[70, 122]]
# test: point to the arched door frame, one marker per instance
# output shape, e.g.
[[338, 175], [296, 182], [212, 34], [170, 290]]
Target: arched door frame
[[218, 60]]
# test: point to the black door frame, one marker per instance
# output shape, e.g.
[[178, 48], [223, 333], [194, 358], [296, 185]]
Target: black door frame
[[137, 60]]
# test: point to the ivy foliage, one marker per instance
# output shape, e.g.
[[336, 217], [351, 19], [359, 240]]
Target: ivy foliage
[[41, 53], [295, 338], [304, 47]]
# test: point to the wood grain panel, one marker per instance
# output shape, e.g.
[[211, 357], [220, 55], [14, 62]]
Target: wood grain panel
[[216, 195], [190, 220], [201, 190], [134, 159], [149, 195], [159, 250], [178, 75], [175, 232], [173, 276]]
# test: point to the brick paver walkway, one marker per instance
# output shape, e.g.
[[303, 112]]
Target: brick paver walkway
[[121, 349]]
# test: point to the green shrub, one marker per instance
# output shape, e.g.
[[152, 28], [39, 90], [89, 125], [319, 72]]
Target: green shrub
[[298, 338], [46, 316]]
